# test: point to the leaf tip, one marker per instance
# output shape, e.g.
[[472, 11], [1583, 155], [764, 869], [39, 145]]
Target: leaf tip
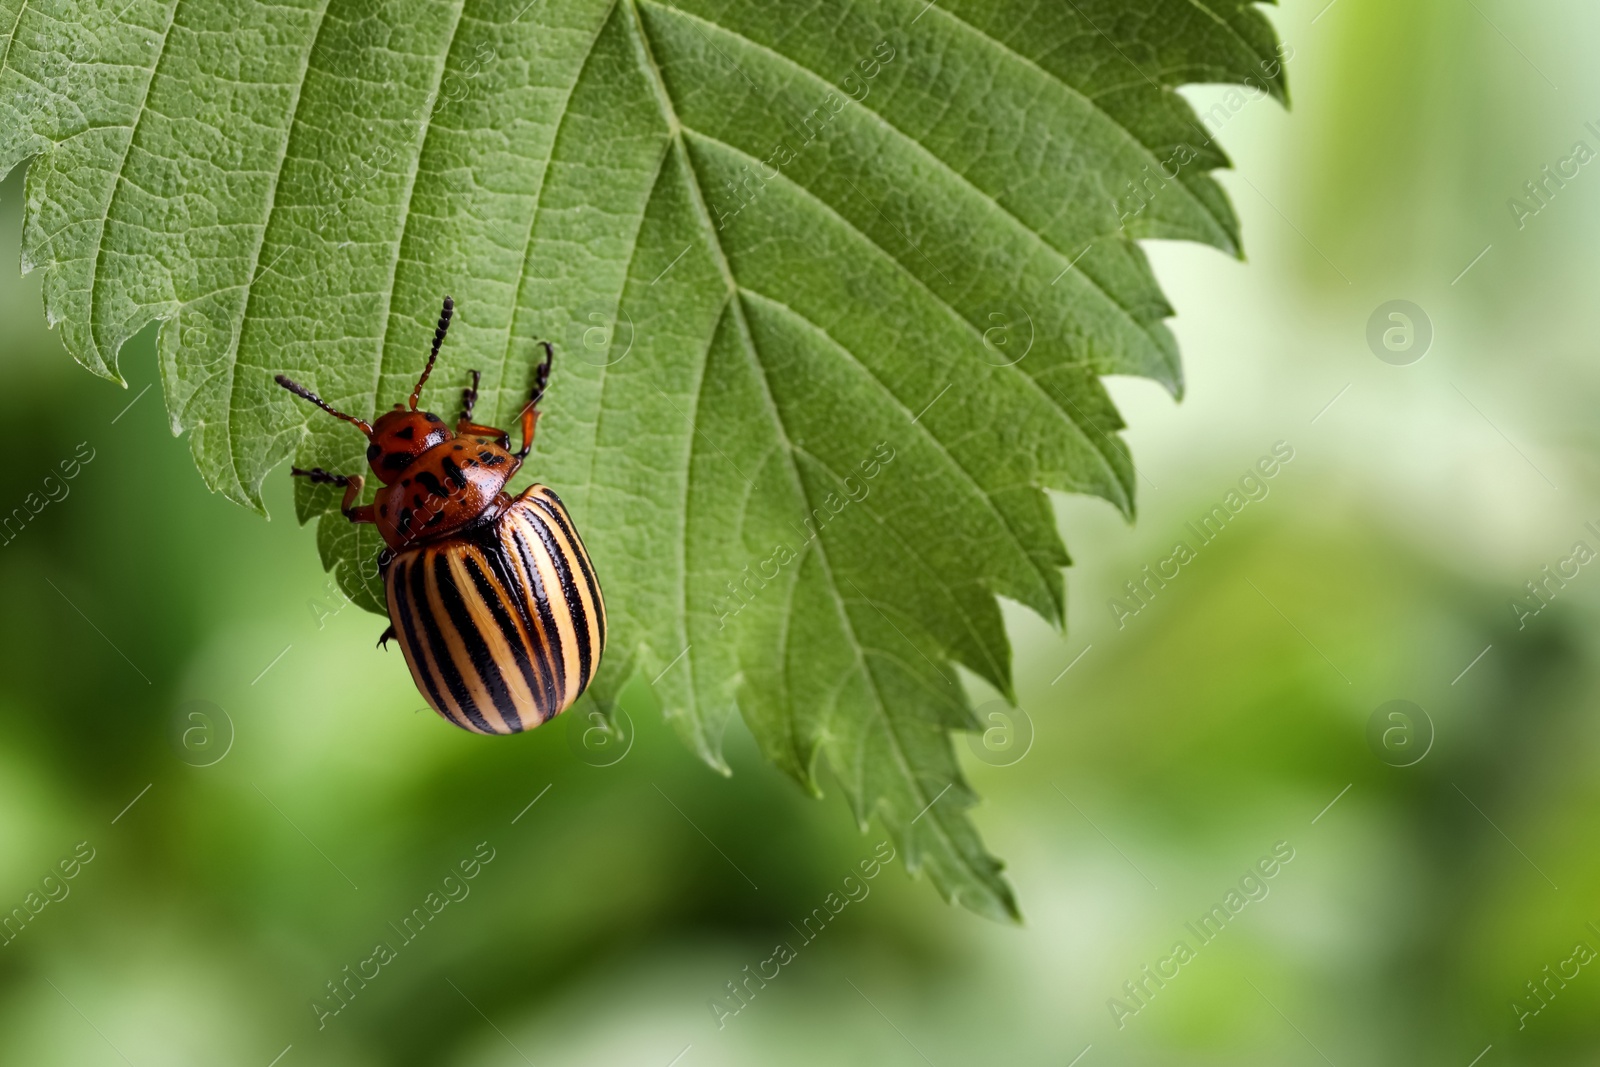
[[1008, 912], [102, 369], [993, 900], [247, 497], [1177, 388]]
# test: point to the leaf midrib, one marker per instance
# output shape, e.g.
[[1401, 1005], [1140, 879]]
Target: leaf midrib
[[725, 268], [669, 113]]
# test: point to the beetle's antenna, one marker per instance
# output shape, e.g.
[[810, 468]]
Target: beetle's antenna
[[438, 339], [305, 394]]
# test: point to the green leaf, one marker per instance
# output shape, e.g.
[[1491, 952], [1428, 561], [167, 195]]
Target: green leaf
[[832, 285]]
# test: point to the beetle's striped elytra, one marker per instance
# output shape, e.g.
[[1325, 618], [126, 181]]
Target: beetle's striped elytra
[[502, 627], [493, 599]]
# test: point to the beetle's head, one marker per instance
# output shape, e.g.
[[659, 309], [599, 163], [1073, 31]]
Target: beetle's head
[[401, 435]]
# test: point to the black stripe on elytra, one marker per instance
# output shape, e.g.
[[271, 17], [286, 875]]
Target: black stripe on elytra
[[541, 603], [476, 645], [569, 592], [497, 554], [408, 629], [559, 513], [494, 601], [449, 674]]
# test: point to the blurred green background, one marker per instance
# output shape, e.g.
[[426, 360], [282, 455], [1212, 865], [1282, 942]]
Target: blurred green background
[[1182, 746]]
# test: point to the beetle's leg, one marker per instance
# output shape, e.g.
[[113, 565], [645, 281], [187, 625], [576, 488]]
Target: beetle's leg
[[352, 490], [387, 636], [472, 429], [466, 427], [364, 513], [530, 412], [319, 476], [469, 399]]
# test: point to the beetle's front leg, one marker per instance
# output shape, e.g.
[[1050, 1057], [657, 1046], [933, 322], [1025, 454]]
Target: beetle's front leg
[[530, 412], [467, 428], [352, 491], [469, 399]]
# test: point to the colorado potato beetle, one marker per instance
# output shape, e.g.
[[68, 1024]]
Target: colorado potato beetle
[[492, 597]]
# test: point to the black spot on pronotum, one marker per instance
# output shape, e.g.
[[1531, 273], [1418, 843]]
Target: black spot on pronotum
[[407, 433], [428, 481]]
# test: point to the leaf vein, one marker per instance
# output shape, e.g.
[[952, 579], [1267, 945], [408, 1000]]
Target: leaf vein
[[5, 57], [116, 181], [231, 361], [412, 174], [533, 224], [944, 165], [922, 430]]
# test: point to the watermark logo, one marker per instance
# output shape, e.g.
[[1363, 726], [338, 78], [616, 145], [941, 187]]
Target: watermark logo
[[1552, 981], [1400, 733], [1399, 333], [1252, 487], [1552, 579], [1252, 887], [452, 888], [53, 888], [603, 333], [54, 490], [598, 739], [200, 732], [1007, 334], [1006, 735], [741, 990], [1540, 191]]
